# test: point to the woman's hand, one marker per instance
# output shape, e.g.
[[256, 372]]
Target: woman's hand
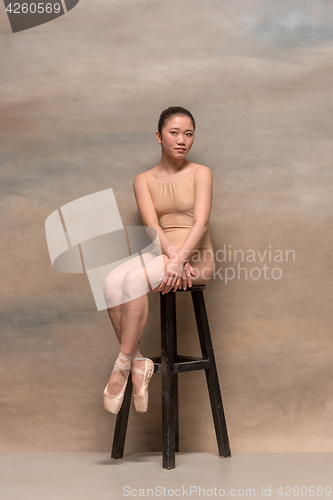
[[183, 281], [186, 277], [172, 275]]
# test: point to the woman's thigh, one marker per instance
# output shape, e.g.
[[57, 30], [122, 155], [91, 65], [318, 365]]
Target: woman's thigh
[[132, 271], [138, 261]]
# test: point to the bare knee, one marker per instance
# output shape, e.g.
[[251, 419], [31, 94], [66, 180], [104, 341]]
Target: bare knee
[[204, 272], [135, 284], [113, 281]]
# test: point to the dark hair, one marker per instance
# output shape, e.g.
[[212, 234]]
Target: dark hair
[[173, 110]]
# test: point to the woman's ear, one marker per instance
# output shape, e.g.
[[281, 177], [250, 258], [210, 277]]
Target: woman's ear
[[158, 137]]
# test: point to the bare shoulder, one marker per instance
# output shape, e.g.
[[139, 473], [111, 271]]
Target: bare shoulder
[[140, 180], [202, 172]]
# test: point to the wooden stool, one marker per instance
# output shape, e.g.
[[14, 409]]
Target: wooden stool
[[169, 364]]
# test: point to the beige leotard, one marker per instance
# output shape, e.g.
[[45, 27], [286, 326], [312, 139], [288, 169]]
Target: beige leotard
[[174, 205]]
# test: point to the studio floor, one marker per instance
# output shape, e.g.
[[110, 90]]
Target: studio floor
[[90, 476]]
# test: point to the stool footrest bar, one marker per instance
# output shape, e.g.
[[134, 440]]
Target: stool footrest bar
[[183, 364]]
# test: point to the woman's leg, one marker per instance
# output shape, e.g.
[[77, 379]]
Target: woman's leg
[[113, 291], [126, 289], [125, 292], [113, 286]]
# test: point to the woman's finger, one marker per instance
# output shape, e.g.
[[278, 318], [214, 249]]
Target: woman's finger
[[188, 275], [177, 285], [164, 283], [173, 284], [184, 279], [170, 284], [171, 280]]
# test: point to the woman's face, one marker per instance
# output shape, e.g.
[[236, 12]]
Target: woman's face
[[177, 136]]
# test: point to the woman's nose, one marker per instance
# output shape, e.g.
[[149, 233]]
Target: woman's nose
[[181, 139]]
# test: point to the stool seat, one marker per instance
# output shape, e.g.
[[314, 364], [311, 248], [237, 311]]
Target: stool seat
[[192, 288], [169, 364]]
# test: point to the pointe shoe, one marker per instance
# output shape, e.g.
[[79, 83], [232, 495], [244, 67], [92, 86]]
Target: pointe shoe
[[141, 397], [113, 403]]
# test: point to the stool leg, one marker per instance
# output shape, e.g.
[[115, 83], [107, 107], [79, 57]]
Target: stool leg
[[168, 321], [175, 351], [121, 423], [176, 412], [211, 374]]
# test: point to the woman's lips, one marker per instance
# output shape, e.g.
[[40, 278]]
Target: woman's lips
[[180, 149]]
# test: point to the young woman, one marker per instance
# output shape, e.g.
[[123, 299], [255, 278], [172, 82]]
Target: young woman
[[174, 198]]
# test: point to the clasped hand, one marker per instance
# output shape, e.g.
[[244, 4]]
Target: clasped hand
[[177, 275]]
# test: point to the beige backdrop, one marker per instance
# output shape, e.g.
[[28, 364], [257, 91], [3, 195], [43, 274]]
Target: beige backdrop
[[81, 97]]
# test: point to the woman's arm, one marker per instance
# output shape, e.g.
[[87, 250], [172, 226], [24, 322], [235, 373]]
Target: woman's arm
[[203, 188], [148, 214]]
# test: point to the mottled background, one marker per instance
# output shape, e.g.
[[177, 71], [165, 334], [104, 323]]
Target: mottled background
[[80, 100]]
